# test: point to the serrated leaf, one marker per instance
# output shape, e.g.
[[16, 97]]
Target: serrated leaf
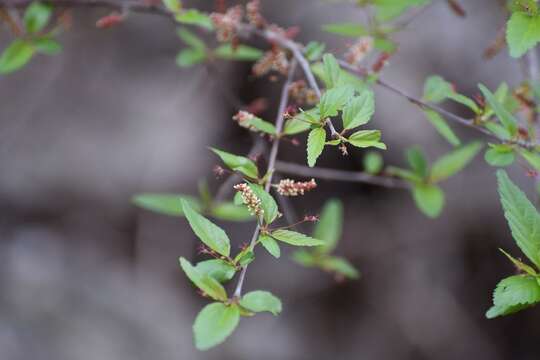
[[210, 234], [522, 217], [36, 17], [195, 17], [330, 226], [506, 118], [259, 301], [454, 161], [214, 324], [270, 245], [522, 33], [238, 163], [230, 211], [334, 100], [332, 71], [295, 238], [417, 161], [359, 110], [346, 29], [339, 266], [168, 204], [516, 290], [366, 138], [268, 203], [315, 145], [238, 52], [218, 269], [442, 127], [203, 281], [429, 199], [15, 56]]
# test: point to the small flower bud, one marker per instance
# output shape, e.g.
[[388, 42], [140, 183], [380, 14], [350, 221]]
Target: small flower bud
[[249, 199], [288, 187]]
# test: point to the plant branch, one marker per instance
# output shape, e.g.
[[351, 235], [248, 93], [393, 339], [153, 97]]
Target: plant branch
[[339, 175], [280, 119]]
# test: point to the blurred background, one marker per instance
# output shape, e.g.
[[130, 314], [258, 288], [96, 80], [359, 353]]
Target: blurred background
[[86, 275]]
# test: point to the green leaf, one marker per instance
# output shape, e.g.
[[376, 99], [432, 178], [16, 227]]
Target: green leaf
[[532, 158], [359, 110], [417, 161], [296, 125], [268, 204], [367, 138], [390, 9], [521, 266], [295, 238], [191, 39], [214, 324], [436, 89], [403, 174], [190, 57], [270, 245], [245, 257], [240, 52], [429, 199], [229, 211], [499, 155], [203, 281], [259, 301], [257, 124], [209, 233], [463, 100], [346, 29], [454, 161], [238, 163], [373, 162], [172, 5], [514, 291], [305, 258], [36, 17], [314, 50], [15, 56], [195, 17], [46, 45], [339, 266], [522, 33], [330, 226], [334, 100], [506, 118], [315, 145], [442, 127], [521, 216], [332, 71], [385, 45], [168, 204], [218, 269]]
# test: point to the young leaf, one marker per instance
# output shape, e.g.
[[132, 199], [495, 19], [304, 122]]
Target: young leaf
[[359, 110], [367, 138], [315, 145], [239, 52], [259, 301], [522, 33], [255, 123], [522, 217], [514, 293], [454, 161], [330, 226], [209, 233], [305, 258], [532, 158], [339, 266], [270, 245], [417, 161], [295, 238], [203, 281], [214, 324], [442, 127], [429, 199], [36, 17], [332, 71], [314, 50], [238, 163], [334, 100], [168, 204], [519, 264], [436, 89], [173, 6], [507, 119], [499, 155], [230, 212], [403, 174], [190, 57], [191, 39], [218, 269], [373, 162], [268, 203], [346, 29], [46, 45], [463, 100], [15, 56], [194, 17]]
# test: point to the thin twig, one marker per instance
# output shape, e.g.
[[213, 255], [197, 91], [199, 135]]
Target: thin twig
[[280, 119], [339, 175]]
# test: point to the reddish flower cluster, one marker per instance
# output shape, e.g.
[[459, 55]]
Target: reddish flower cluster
[[359, 50], [273, 60], [227, 24], [302, 94], [253, 14], [249, 198], [288, 187]]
